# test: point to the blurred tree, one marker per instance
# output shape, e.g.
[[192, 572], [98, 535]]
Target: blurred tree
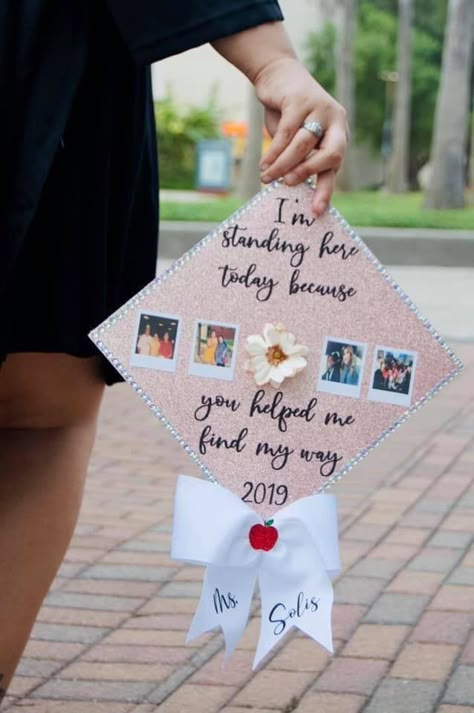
[[320, 56], [345, 83], [471, 156], [249, 177], [386, 5], [375, 54], [448, 153], [398, 169], [430, 17], [376, 40]]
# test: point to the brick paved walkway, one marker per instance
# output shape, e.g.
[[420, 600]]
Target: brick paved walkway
[[110, 636]]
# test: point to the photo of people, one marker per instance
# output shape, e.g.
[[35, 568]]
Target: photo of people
[[214, 350], [156, 341], [341, 368], [392, 376]]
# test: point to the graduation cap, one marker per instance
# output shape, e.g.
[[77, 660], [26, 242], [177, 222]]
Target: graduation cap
[[273, 263]]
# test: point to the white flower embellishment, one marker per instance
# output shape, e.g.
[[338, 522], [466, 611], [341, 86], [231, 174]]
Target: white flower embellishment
[[275, 356]]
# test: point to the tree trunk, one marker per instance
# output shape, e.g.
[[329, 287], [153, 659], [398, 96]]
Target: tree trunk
[[345, 85], [398, 168], [471, 159], [249, 177], [448, 150]]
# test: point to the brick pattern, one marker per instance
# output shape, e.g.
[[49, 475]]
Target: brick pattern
[[427, 662], [111, 633]]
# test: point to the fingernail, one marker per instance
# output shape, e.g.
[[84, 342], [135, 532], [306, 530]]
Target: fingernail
[[264, 166], [291, 179], [320, 208], [265, 179]]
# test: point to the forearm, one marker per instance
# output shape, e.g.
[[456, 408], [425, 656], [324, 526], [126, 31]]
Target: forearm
[[254, 49]]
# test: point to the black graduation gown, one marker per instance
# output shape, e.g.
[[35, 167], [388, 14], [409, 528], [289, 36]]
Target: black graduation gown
[[78, 174]]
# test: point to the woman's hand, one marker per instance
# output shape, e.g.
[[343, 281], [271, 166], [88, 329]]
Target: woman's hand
[[291, 96]]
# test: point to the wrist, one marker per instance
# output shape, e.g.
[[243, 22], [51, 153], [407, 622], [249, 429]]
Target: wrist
[[273, 67]]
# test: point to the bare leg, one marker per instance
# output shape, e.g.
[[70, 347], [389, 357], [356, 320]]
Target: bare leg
[[48, 412]]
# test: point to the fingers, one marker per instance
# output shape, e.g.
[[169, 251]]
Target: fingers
[[295, 167], [324, 190], [286, 130], [292, 154]]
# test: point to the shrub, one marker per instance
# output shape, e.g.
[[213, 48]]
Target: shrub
[[178, 130]]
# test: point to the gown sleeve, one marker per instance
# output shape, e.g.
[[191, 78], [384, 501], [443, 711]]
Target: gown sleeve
[[155, 29]]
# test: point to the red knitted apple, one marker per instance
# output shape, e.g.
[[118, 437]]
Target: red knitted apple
[[263, 537]]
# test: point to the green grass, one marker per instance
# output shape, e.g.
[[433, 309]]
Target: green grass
[[211, 212], [359, 209]]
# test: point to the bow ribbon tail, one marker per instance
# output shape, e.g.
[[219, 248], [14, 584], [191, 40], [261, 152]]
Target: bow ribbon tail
[[303, 602], [225, 601]]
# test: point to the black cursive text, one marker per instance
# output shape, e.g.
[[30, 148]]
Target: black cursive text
[[208, 439], [338, 292], [262, 284], [333, 419], [328, 460], [280, 615], [328, 248], [279, 454], [279, 412], [208, 402], [231, 238]]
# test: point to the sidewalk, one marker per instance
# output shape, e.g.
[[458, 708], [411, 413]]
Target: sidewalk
[[110, 637]]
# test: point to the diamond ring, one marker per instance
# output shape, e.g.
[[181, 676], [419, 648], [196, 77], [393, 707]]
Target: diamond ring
[[314, 127]]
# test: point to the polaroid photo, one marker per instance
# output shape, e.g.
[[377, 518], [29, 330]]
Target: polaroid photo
[[156, 340], [392, 376], [342, 367], [214, 350]]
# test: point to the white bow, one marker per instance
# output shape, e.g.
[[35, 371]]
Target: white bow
[[212, 527]]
